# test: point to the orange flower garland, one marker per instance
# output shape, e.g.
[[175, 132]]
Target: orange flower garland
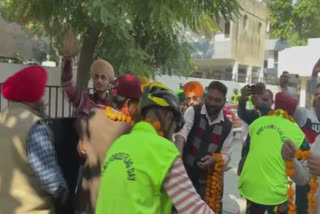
[[214, 184], [284, 114], [156, 125], [290, 171], [118, 116], [312, 200]]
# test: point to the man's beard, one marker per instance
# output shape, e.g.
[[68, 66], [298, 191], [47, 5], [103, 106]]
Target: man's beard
[[213, 110]]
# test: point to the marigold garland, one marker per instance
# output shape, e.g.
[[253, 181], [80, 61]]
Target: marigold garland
[[284, 114], [290, 171], [214, 184], [118, 116], [156, 125]]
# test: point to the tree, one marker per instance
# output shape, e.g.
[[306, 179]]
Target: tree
[[295, 21], [137, 36]]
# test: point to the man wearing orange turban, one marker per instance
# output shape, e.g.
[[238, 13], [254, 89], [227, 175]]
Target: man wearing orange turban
[[193, 91]]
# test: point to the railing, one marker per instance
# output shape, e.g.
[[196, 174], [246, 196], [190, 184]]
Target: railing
[[57, 105]]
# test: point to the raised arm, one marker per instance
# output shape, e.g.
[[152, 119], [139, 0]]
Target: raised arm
[[74, 94], [244, 114], [314, 77]]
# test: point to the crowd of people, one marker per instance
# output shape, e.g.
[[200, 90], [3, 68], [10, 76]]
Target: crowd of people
[[145, 149]]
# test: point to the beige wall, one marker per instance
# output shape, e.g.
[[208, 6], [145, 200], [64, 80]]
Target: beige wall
[[248, 42]]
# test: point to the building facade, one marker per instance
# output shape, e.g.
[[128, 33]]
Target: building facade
[[271, 60], [299, 62], [237, 53]]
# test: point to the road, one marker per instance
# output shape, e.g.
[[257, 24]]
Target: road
[[232, 202]]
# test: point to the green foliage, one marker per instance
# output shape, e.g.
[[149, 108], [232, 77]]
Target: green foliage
[[295, 22], [138, 36]]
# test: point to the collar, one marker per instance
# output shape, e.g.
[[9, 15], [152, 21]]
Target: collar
[[144, 127], [219, 119], [96, 98], [14, 104]]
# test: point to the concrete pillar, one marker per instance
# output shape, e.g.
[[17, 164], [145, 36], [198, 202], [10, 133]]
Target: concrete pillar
[[249, 75], [235, 70], [303, 92]]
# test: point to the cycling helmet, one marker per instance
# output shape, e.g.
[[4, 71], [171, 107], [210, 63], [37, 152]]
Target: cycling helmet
[[158, 95]]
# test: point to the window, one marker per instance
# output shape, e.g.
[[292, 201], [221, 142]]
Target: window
[[259, 27], [227, 30], [268, 27], [197, 74], [276, 56], [245, 22]]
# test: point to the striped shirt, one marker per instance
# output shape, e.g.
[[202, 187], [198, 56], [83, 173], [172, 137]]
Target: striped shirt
[[182, 193]]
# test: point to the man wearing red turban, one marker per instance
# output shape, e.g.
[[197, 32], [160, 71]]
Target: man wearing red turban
[[30, 175]]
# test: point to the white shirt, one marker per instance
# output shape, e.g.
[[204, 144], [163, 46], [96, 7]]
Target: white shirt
[[189, 120], [307, 120]]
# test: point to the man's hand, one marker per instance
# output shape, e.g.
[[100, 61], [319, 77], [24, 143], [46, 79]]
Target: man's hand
[[69, 42], [245, 93], [288, 151], [284, 80], [314, 164], [206, 162], [316, 69], [82, 151]]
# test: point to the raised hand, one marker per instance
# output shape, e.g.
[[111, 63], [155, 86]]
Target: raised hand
[[245, 93], [316, 69], [69, 42], [284, 79]]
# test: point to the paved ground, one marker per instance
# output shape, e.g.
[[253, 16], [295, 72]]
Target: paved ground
[[232, 202]]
